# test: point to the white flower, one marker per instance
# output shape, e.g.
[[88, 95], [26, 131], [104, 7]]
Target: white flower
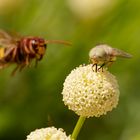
[[50, 133], [90, 93], [90, 8]]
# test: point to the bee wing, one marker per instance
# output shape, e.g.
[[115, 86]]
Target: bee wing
[[7, 44], [5, 35], [7, 38], [8, 41], [120, 53], [9, 35], [3, 64]]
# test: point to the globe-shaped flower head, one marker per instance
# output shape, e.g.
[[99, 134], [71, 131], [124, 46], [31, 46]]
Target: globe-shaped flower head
[[89, 93], [50, 133]]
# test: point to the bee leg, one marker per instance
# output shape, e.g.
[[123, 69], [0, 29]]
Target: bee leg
[[95, 67], [38, 58], [14, 53], [101, 67], [15, 70], [36, 63], [22, 66], [8, 51], [27, 61]]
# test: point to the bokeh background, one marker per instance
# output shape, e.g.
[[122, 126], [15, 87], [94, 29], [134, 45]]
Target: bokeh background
[[32, 98]]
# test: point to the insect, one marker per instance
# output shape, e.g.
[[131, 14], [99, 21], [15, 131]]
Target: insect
[[22, 50], [104, 55]]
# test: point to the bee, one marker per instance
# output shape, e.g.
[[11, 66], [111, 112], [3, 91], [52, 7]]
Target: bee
[[22, 50], [104, 55]]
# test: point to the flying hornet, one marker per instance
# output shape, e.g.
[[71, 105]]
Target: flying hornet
[[22, 50], [104, 55]]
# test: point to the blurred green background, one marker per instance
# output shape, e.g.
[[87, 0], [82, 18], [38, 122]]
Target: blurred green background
[[32, 98]]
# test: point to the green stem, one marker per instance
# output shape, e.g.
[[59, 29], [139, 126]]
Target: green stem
[[78, 127]]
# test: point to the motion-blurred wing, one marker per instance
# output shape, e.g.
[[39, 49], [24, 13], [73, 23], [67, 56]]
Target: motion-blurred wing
[[7, 39], [3, 64], [120, 53], [7, 44]]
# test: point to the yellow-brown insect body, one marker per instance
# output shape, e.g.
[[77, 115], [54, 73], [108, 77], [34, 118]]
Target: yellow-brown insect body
[[22, 50], [27, 49], [104, 55], [32, 47]]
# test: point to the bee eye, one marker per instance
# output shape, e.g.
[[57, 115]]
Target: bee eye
[[34, 44]]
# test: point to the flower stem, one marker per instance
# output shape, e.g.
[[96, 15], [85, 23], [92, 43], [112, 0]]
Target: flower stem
[[78, 127]]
